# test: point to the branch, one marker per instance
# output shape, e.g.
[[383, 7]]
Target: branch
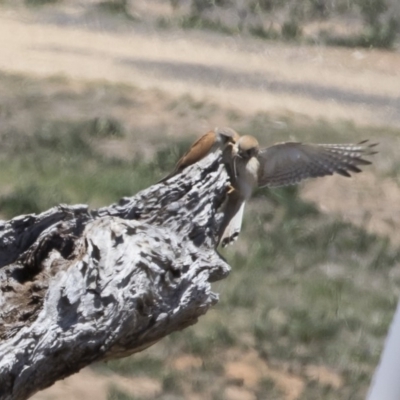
[[79, 286]]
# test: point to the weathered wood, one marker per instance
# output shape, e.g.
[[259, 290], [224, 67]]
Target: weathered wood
[[78, 286]]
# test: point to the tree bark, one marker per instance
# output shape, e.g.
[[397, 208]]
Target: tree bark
[[80, 285]]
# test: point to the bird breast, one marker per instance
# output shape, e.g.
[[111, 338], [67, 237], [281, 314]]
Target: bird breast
[[248, 177]]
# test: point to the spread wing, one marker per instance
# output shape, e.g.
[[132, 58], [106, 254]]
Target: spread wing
[[289, 163]]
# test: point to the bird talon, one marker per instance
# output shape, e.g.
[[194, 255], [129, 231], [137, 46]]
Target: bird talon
[[231, 189]]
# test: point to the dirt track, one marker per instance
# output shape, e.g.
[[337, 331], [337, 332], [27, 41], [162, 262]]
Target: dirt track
[[243, 73]]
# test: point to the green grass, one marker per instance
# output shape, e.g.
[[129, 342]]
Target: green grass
[[133, 366], [192, 21], [171, 382], [379, 36], [116, 394], [274, 129], [35, 3], [195, 22], [59, 165], [374, 32], [293, 302], [116, 7], [306, 288], [262, 33], [267, 385], [216, 336]]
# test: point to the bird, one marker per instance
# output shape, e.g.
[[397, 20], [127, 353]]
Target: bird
[[213, 140], [283, 164]]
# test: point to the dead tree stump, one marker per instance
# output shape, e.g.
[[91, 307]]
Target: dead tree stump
[[79, 285]]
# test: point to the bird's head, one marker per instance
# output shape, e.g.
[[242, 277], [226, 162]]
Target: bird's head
[[227, 136], [247, 147]]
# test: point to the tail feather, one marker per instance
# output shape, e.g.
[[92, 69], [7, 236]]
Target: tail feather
[[232, 222]]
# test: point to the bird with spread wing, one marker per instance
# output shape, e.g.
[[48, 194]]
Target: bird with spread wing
[[280, 165]]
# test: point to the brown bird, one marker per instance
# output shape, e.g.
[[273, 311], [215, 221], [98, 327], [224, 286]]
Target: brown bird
[[284, 164], [208, 143]]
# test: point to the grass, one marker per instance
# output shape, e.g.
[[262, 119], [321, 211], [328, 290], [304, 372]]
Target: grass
[[196, 22], [374, 31], [171, 382], [116, 7], [250, 18], [148, 366], [59, 165], [36, 3], [267, 385], [380, 36], [306, 288], [267, 34], [116, 394]]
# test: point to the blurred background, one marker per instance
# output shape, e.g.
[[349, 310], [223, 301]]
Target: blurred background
[[99, 98]]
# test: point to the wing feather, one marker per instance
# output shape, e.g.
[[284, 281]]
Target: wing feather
[[289, 163], [199, 150]]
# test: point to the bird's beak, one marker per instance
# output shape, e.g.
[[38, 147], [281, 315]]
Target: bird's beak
[[234, 167], [235, 157]]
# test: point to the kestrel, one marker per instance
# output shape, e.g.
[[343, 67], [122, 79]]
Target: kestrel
[[284, 164], [210, 142]]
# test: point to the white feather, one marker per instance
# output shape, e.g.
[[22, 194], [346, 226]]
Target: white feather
[[234, 223]]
